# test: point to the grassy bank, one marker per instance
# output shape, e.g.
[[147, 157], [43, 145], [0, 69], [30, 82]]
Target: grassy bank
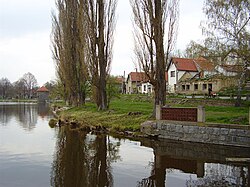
[[129, 111], [122, 115]]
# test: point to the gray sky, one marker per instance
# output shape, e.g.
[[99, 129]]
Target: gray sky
[[25, 28]]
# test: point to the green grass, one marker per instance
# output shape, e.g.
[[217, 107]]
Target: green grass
[[227, 115], [117, 118]]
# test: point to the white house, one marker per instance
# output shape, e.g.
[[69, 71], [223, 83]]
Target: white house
[[180, 69], [177, 68], [146, 88]]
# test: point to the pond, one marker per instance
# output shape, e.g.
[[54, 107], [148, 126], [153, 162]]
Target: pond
[[33, 154]]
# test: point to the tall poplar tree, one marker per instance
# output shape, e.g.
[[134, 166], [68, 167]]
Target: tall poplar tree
[[100, 17], [152, 18], [69, 52]]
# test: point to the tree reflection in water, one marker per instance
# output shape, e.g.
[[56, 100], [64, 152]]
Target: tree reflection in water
[[83, 160], [25, 113]]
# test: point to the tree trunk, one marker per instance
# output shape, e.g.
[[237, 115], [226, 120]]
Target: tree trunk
[[160, 88], [102, 60]]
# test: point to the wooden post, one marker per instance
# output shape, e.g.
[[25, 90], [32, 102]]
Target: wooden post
[[201, 114], [158, 112]]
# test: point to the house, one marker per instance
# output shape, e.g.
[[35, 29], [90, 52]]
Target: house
[[42, 94], [138, 82], [146, 88], [195, 76], [134, 81], [177, 68], [229, 70]]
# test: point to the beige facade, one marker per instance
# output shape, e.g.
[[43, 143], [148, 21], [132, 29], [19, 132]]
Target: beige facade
[[200, 86]]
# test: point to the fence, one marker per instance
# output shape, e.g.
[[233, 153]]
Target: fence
[[181, 114]]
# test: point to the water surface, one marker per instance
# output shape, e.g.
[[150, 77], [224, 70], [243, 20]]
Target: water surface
[[33, 154]]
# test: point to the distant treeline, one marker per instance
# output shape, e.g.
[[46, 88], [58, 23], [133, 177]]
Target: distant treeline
[[24, 88]]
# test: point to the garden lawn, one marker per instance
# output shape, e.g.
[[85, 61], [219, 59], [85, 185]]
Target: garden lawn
[[129, 111]]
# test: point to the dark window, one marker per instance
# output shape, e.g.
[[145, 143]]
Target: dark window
[[183, 87], [187, 87], [195, 86], [204, 86], [172, 73], [210, 86]]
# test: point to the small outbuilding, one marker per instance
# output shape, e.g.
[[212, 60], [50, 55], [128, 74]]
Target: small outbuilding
[[42, 94]]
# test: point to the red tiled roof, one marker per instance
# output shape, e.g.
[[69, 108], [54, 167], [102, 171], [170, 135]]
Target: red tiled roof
[[119, 80], [138, 76], [204, 64], [43, 89], [184, 64]]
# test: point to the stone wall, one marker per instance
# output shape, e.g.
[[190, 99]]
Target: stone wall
[[235, 135], [193, 132]]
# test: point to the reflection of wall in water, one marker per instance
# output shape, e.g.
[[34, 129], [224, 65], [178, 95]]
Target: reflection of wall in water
[[208, 162]]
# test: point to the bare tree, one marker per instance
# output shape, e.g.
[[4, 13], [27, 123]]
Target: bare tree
[[19, 88], [30, 83], [100, 16], [228, 23], [5, 88], [150, 19]]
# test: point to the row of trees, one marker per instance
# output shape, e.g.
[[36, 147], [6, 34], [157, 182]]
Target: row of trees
[[82, 41], [25, 87]]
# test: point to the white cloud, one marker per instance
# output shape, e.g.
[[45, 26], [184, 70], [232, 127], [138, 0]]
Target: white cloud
[[30, 53], [25, 37], [189, 23]]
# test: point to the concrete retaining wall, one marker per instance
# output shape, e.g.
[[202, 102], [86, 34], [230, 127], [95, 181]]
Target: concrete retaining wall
[[235, 135]]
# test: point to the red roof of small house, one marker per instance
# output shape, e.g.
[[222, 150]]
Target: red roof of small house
[[204, 64], [138, 76], [43, 89], [184, 64], [119, 79]]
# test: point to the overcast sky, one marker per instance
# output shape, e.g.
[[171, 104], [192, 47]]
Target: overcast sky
[[25, 27]]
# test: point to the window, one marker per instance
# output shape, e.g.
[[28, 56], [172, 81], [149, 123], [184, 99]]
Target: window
[[210, 86], [187, 87], [183, 87], [172, 73], [145, 87], [195, 86], [204, 86]]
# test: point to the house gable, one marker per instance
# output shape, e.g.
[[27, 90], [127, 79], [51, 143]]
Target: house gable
[[184, 64], [185, 77]]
